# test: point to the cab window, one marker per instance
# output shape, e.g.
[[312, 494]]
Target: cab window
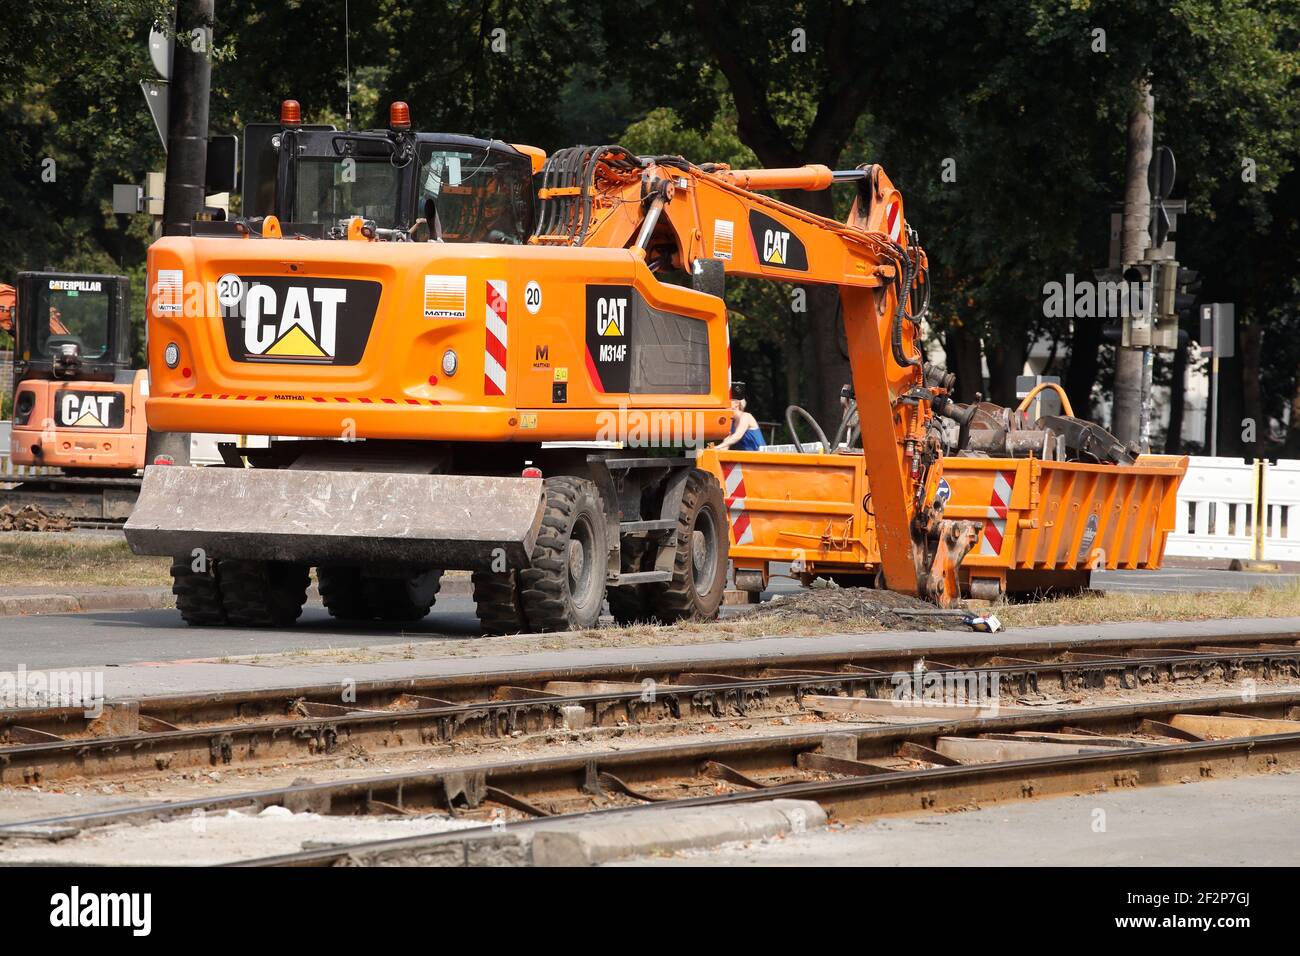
[[480, 195]]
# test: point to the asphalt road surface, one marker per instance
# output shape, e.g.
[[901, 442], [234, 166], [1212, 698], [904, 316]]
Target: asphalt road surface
[[124, 637]]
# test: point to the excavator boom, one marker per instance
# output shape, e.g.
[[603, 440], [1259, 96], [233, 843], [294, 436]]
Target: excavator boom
[[681, 215]]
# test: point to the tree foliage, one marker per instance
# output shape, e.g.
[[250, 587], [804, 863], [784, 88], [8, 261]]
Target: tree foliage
[[1001, 120]]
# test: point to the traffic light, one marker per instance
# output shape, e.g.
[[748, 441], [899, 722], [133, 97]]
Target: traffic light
[[1164, 319], [1189, 290], [1186, 293], [1137, 306]]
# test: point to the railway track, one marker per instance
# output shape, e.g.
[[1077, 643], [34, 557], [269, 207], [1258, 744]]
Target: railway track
[[302, 724], [855, 775], [91, 503]]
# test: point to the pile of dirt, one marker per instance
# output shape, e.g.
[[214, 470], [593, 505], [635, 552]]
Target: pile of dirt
[[887, 610], [32, 518]]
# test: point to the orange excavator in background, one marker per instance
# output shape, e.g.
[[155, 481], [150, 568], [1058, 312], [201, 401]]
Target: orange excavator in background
[[484, 380], [79, 406]]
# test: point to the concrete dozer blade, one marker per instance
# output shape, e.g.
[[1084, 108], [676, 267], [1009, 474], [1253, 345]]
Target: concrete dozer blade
[[337, 517]]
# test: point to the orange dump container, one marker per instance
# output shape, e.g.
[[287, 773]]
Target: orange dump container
[[1043, 525]]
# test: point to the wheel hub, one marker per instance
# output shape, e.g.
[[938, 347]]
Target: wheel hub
[[704, 550], [577, 562]]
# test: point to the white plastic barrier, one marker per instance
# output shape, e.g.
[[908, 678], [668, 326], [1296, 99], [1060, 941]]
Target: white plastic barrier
[[1216, 510], [203, 446], [1215, 518], [1282, 511]]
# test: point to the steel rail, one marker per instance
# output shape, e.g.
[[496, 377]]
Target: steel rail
[[517, 711], [524, 784], [213, 708]]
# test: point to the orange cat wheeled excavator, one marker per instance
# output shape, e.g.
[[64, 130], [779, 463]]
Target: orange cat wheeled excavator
[[477, 363]]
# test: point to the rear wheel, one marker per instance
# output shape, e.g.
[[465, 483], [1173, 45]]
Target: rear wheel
[[340, 592], [263, 593], [498, 602], [700, 563], [198, 593], [564, 587], [402, 599], [350, 596]]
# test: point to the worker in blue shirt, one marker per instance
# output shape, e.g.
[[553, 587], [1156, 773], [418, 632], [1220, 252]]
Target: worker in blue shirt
[[745, 433]]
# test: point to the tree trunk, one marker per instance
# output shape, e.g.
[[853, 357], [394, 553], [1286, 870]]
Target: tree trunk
[[1231, 406], [963, 350], [1126, 418], [1293, 429], [1081, 372], [1252, 401], [1177, 401], [1006, 361]]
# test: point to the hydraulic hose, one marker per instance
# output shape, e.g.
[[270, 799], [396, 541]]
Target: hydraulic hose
[[794, 435], [904, 291]]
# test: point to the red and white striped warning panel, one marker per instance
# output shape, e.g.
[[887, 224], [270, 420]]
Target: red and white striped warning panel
[[733, 480], [894, 219], [995, 525], [494, 349]]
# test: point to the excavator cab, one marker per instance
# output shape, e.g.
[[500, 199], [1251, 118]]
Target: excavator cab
[[405, 185], [72, 327]]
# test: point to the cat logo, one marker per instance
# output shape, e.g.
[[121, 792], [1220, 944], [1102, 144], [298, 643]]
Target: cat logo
[[298, 331], [295, 322], [775, 244], [90, 409], [609, 334], [611, 316]]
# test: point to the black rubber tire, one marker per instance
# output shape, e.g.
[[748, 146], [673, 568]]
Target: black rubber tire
[[198, 594], [498, 602], [630, 603], [402, 599], [572, 508], [340, 592], [696, 593], [263, 593], [349, 596]]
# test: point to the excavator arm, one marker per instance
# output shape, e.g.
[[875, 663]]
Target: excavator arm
[[682, 216]]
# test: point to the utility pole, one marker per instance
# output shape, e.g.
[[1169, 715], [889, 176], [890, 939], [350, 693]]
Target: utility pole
[[187, 116], [185, 193], [1132, 361]]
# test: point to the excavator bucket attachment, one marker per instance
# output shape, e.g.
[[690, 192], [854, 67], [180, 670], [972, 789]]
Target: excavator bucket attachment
[[344, 517]]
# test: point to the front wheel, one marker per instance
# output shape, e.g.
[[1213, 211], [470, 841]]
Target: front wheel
[[564, 587], [700, 562]]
